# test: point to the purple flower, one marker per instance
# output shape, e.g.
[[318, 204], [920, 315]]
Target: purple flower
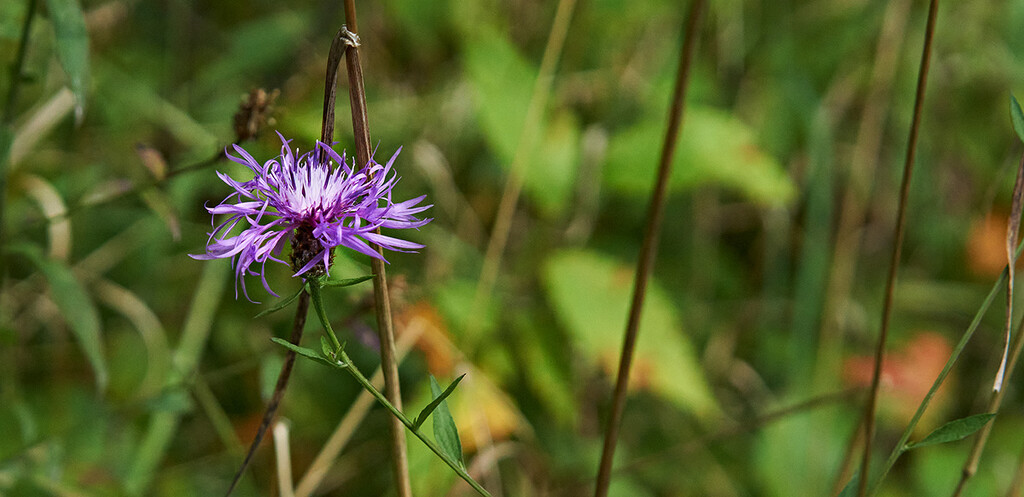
[[317, 202]]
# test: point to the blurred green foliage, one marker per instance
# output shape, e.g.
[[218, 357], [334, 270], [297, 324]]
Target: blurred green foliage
[[748, 312]]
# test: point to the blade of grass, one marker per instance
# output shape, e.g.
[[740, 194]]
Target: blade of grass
[[901, 445], [1005, 368], [195, 332], [894, 262], [520, 159], [283, 454], [72, 47], [649, 249]]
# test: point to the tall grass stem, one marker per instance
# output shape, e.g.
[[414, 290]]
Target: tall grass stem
[[382, 299], [649, 249], [517, 170], [897, 250]]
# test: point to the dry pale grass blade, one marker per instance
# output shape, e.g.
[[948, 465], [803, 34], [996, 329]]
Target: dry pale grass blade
[[40, 124], [154, 337], [53, 207], [1012, 235], [283, 457], [517, 169]]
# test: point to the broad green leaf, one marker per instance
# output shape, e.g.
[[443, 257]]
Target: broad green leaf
[[590, 293], [954, 430], [308, 353], [551, 175], [79, 311], [438, 399], [345, 282], [445, 431], [502, 81], [1017, 116], [72, 47], [282, 304], [715, 148]]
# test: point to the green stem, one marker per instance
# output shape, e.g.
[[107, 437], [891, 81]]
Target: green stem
[[318, 304], [346, 364], [901, 446]]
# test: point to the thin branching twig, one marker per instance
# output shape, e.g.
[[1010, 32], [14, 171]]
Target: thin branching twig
[[649, 249], [894, 262]]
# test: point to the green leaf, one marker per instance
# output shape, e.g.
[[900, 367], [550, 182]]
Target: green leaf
[[438, 399], [1017, 116], [326, 348], [715, 148], [954, 430], [282, 304], [445, 431], [79, 311], [308, 353], [590, 293], [851, 488], [501, 80], [345, 282], [72, 47]]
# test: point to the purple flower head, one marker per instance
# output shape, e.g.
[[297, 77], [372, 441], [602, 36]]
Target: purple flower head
[[317, 202]]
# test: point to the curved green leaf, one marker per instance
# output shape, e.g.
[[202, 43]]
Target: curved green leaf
[[74, 303], [715, 148], [1017, 116], [72, 47]]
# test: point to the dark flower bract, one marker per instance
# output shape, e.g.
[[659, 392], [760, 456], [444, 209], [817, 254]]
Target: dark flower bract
[[317, 202]]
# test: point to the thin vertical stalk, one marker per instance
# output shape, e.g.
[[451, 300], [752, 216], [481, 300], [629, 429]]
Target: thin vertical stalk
[[517, 169], [649, 249], [6, 133], [890, 285], [338, 48], [282, 381], [901, 445], [382, 299], [19, 63]]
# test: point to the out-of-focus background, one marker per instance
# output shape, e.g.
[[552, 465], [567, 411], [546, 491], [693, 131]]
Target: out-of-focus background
[[127, 368]]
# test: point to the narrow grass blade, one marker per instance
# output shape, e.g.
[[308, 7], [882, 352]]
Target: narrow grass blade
[[445, 431], [345, 282], [304, 352], [282, 304], [954, 430], [1017, 116], [434, 403], [72, 47], [74, 303]]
